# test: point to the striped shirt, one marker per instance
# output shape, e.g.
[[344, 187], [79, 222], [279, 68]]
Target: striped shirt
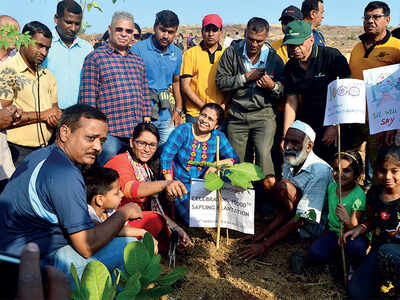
[[117, 85]]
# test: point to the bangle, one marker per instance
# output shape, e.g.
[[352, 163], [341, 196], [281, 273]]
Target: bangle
[[29, 116], [179, 111]]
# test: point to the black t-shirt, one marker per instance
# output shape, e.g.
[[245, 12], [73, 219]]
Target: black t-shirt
[[386, 218], [325, 65]]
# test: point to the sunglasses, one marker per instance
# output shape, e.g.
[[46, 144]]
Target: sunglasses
[[120, 29], [212, 28], [375, 17], [136, 36]]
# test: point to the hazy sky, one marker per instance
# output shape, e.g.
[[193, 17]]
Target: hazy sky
[[337, 12]]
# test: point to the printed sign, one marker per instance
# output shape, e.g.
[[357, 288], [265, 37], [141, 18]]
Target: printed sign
[[383, 98], [345, 102], [237, 207]]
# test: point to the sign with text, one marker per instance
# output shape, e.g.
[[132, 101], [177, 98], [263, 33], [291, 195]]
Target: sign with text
[[237, 207], [383, 98], [345, 102]]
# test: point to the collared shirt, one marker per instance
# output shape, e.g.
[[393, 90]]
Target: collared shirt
[[25, 96], [66, 64], [312, 179], [319, 39], [161, 67], [117, 85], [382, 53], [260, 64], [325, 64], [201, 65]]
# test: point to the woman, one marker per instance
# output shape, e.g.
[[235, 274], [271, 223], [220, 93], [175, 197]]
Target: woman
[[195, 142], [138, 185]]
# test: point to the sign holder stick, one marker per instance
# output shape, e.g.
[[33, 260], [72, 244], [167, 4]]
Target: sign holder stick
[[219, 201]]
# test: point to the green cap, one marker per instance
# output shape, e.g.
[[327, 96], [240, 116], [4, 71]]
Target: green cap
[[297, 32]]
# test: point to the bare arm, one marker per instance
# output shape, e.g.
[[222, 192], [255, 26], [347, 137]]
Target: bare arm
[[176, 90], [290, 112], [189, 93]]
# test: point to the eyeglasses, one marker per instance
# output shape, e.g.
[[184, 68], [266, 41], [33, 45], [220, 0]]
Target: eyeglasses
[[375, 17], [120, 29], [136, 36], [143, 144], [211, 28]]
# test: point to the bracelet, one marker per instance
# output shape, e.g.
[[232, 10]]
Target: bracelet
[[29, 116], [179, 111]]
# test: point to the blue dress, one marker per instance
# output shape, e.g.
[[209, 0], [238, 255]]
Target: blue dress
[[182, 147]]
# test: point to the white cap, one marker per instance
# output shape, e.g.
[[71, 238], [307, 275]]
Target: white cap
[[303, 127]]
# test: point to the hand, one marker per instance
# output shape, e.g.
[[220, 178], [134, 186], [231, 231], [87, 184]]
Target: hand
[[283, 145], [253, 238], [176, 119], [175, 189], [184, 239], [52, 116], [254, 74], [330, 136], [131, 211], [353, 233], [265, 82], [251, 251], [8, 116], [30, 284], [342, 214], [147, 119], [210, 170]]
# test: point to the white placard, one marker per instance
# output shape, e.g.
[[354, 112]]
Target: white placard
[[237, 207], [383, 98], [345, 102]]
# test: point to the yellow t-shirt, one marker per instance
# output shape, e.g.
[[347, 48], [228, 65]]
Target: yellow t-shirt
[[19, 84], [384, 54], [281, 50], [202, 66]]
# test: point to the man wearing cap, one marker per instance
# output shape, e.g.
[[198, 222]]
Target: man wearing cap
[[308, 74], [313, 12], [289, 14], [199, 67], [301, 192], [253, 73]]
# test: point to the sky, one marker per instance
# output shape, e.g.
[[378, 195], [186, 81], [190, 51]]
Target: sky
[[337, 12]]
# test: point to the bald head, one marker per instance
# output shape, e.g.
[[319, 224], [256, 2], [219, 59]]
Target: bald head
[[4, 20]]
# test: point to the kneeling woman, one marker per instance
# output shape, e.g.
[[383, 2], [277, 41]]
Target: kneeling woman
[[195, 142], [138, 185]]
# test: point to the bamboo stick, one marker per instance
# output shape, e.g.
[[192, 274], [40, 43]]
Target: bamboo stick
[[219, 201]]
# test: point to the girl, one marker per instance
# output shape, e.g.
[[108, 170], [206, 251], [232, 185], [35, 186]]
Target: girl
[[349, 212], [383, 206]]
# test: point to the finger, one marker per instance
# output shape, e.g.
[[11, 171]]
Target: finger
[[58, 284], [183, 187], [30, 281]]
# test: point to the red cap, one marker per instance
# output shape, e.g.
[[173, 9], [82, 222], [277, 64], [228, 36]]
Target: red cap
[[213, 19]]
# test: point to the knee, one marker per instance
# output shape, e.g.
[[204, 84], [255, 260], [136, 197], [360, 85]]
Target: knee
[[287, 194]]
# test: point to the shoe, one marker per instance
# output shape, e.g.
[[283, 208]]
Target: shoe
[[297, 262]]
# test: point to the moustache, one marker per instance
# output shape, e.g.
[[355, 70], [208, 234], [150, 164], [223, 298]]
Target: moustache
[[290, 152]]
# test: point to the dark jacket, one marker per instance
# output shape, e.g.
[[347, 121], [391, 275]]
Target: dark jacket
[[247, 97]]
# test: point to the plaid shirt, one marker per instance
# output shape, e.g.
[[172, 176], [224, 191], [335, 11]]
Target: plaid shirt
[[117, 85]]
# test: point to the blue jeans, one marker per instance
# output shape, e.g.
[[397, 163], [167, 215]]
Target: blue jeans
[[323, 248], [112, 256], [113, 146], [164, 129]]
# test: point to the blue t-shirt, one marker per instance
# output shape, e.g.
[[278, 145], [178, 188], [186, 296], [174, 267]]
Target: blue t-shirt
[[44, 202], [319, 39], [160, 67]]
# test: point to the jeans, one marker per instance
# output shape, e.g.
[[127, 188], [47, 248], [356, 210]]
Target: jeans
[[164, 129], [113, 146], [18, 153], [112, 256], [323, 248]]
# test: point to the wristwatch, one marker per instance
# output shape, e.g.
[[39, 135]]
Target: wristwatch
[[180, 112]]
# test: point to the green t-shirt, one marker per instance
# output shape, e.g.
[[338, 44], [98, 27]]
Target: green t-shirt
[[355, 200]]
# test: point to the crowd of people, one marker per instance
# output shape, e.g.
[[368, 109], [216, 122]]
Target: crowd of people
[[94, 151]]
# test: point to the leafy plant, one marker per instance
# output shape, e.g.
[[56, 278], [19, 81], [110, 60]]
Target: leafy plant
[[309, 214], [241, 175], [9, 35], [140, 279]]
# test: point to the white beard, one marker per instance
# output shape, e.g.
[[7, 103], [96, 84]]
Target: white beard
[[296, 160]]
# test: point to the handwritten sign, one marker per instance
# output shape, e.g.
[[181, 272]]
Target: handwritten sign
[[383, 98], [237, 207], [345, 102]]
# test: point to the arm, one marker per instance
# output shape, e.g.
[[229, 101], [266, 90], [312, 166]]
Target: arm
[[9, 116], [176, 90], [225, 78], [171, 148], [90, 82], [290, 112], [189, 93], [146, 96], [362, 228]]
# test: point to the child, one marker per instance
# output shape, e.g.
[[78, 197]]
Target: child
[[349, 212], [383, 206], [104, 196]]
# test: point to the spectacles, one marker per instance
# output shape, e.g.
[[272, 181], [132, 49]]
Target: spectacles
[[120, 29], [211, 28], [136, 36], [375, 17], [143, 144]]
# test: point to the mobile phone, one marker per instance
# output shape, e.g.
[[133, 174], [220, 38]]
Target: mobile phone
[[9, 270]]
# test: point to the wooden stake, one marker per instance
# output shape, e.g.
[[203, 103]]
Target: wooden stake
[[219, 202]]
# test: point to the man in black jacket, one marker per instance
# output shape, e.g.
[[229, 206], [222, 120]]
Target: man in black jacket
[[253, 73]]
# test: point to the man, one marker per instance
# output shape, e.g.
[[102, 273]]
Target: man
[[114, 80], [67, 52], [307, 75], [301, 191], [163, 64], [33, 89], [377, 48], [199, 67], [313, 12], [39, 205], [289, 14], [9, 115], [253, 73]]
